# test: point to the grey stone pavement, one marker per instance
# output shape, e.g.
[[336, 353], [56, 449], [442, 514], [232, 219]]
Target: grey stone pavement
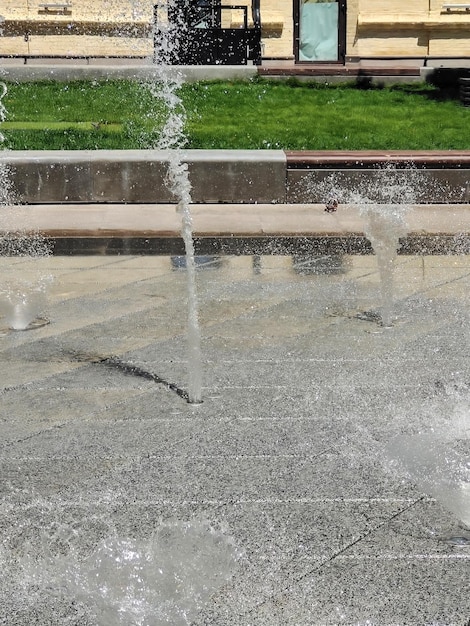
[[303, 391]]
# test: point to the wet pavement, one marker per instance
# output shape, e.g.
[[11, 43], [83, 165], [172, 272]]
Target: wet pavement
[[233, 228], [303, 392]]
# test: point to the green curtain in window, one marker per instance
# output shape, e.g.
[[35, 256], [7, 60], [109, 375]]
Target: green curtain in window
[[318, 31]]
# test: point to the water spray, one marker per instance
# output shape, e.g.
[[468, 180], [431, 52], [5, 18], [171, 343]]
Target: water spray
[[172, 138]]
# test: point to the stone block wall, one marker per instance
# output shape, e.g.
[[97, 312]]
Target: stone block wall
[[417, 28], [139, 176], [238, 176]]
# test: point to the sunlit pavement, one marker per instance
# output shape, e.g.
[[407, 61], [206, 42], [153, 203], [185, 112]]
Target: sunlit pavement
[[303, 390]]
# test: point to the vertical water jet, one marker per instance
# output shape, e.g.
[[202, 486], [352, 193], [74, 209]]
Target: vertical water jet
[[383, 201], [22, 297], [168, 81]]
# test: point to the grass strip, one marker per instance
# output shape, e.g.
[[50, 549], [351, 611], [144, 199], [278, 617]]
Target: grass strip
[[257, 114]]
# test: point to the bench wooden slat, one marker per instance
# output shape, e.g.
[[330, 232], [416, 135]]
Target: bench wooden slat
[[449, 7]]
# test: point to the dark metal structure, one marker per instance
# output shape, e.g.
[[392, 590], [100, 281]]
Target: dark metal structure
[[200, 38]]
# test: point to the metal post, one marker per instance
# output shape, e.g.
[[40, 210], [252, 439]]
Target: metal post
[[256, 35]]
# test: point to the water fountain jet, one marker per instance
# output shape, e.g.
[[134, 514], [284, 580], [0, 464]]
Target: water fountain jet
[[383, 201], [163, 580], [439, 465], [21, 301], [172, 139]]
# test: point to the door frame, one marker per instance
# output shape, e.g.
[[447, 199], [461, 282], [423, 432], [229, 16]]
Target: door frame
[[341, 34]]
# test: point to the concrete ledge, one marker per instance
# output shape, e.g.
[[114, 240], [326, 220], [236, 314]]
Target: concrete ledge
[[51, 70], [433, 176], [139, 176], [232, 229], [426, 185], [236, 176], [265, 220], [313, 159]]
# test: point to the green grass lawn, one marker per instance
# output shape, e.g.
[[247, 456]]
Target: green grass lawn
[[260, 114]]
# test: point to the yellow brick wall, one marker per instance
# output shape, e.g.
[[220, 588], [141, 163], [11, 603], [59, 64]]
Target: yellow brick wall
[[450, 43], [375, 44], [100, 11], [278, 28], [351, 27], [393, 7], [392, 28], [411, 28], [373, 28], [89, 44], [121, 10]]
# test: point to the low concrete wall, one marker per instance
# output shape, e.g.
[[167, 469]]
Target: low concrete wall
[[416, 186], [116, 69], [375, 176], [139, 176], [240, 176]]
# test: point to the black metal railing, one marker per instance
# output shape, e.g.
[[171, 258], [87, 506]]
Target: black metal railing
[[203, 41]]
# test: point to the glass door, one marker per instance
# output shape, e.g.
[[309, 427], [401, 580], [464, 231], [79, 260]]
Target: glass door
[[319, 31]]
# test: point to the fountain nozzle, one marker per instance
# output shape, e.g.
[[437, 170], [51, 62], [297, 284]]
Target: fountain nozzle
[[331, 205]]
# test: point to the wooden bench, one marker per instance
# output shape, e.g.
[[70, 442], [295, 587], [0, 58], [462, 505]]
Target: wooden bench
[[56, 9], [453, 7]]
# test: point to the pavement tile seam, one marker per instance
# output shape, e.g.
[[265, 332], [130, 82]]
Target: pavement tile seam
[[341, 556], [397, 557], [60, 502], [284, 588], [162, 457]]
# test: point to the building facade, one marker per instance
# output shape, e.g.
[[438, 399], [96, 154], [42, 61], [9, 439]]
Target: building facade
[[305, 31]]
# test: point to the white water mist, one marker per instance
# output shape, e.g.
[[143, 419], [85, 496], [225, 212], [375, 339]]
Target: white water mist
[[383, 201], [160, 581], [437, 461]]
